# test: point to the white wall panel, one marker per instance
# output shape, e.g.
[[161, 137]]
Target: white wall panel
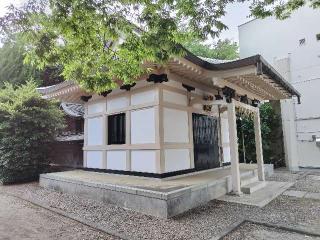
[[94, 159], [95, 131], [175, 84], [225, 138], [143, 126], [226, 155], [114, 104], [144, 161], [175, 124], [94, 108], [309, 154], [176, 159], [309, 91], [116, 160], [144, 97], [173, 97]]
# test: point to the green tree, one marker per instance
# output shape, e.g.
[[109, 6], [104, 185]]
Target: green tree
[[222, 49], [100, 41], [12, 67], [28, 123]]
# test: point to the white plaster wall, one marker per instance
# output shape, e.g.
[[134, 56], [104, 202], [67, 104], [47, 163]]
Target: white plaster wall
[[144, 161], [289, 133], [144, 97], [198, 106], [143, 126], [116, 160], [225, 138], [310, 91], [97, 107], [305, 129], [278, 40], [176, 159], [173, 97], [175, 124], [95, 132], [117, 103], [94, 159], [310, 153], [175, 84]]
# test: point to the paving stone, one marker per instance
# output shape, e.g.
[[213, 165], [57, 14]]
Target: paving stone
[[261, 197], [313, 196], [313, 177], [250, 231], [293, 193]]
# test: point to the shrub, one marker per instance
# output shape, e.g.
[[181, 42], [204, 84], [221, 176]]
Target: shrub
[[271, 133], [28, 123]]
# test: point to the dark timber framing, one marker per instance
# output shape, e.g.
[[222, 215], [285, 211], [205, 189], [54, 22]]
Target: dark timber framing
[[142, 174]]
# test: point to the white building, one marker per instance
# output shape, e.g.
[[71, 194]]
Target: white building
[[292, 46], [177, 120]]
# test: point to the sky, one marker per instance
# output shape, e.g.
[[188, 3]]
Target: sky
[[5, 3], [237, 14]]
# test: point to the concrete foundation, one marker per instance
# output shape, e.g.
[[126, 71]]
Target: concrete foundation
[[154, 197]]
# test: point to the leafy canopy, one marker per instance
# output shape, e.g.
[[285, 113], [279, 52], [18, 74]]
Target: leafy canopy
[[28, 123], [223, 49], [99, 42], [12, 67]]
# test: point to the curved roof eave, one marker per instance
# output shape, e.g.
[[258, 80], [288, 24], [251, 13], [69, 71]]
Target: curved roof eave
[[263, 67]]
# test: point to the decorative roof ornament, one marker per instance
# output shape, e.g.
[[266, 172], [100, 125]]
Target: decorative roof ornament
[[73, 109]]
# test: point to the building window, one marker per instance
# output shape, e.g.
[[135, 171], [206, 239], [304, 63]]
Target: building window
[[302, 41], [318, 36], [117, 129]]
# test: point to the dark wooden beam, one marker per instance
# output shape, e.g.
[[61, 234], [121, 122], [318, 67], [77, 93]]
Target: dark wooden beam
[[85, 98], [127, 87], [158, 78]]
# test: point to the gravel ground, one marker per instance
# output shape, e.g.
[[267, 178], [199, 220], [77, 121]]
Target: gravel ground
[[16, 223], [308, 183], [284, 176], [251, 231], [200, 223]]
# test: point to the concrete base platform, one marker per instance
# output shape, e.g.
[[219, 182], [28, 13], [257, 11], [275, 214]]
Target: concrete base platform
[[161, 198], [261, 197]]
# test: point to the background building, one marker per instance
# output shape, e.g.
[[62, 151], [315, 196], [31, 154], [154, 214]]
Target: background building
[[66, 152], [292, 46]]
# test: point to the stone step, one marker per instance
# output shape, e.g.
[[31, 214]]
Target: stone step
[[250, 173], [248, 179], [252, 187]]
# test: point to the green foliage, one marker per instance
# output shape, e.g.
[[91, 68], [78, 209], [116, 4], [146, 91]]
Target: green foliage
[[99, 42], [280, 9], [270, 123], [223, 49], [12, 68], [28, 124]]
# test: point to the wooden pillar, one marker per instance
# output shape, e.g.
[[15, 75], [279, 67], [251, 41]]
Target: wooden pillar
[[85, 135], [233, 139], [259, 152]]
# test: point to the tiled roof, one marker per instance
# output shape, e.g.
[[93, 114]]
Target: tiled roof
[[214, 60], [71, 137], [73, 109]]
